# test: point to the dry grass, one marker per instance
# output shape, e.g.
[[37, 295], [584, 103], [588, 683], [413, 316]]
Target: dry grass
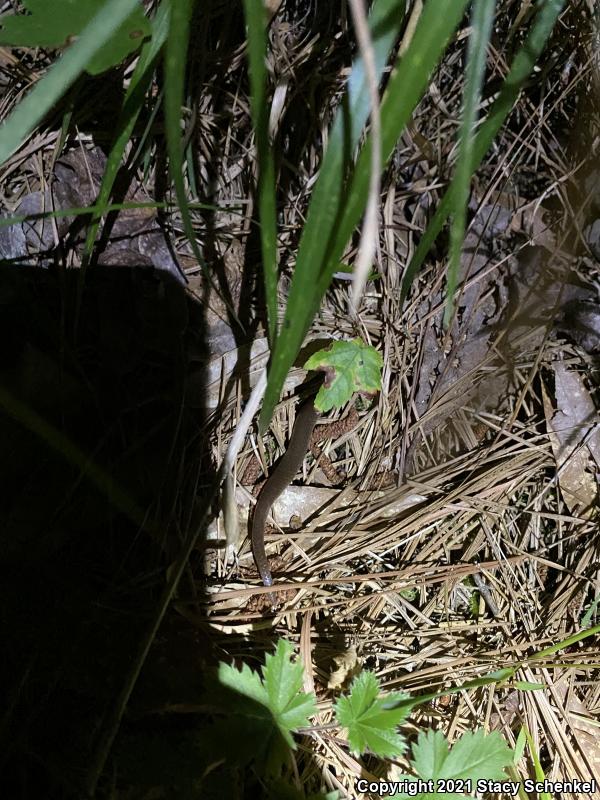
[[440, 485], [388, 580]]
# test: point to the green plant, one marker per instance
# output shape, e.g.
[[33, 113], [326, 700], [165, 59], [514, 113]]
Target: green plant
[[274, 704], [349, 367], [57, 24], [93, 37], [339, 197], [337, 201], [455, 771], [371, 721], [340, 193], [265, 710]]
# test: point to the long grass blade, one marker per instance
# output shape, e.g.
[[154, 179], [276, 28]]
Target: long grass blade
[[46, 93], [82, 211], [130, 111], [370, 230], [175, 67], [328, 199], [482, 16], [521, 68], [132, 105], [406, 86], [405, 89]]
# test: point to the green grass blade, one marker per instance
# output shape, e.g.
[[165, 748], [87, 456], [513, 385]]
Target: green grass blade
[[175, 67], [405, 88], [328, 200], [132, 105], [587, 617], [537, 764], [521, 68], [6, 222], [46, 93], [569, 642], [256, 23], [482, 16], [485, 680]]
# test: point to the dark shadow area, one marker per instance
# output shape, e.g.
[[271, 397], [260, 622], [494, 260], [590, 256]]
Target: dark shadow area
[[104, 462]]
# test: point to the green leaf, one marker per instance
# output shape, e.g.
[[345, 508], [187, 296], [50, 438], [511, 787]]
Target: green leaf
[[587, 617], [244, 681], [348, 269], [537, 764], [498, 675], [429, 754], [279, 691], [60, 22], [520, 746], [350, 367], [175, 68], [473, 756], [283, 679], [282, 790], [407, 83], [28, 113], [568, 642], [132, 105], [175, 63], [494, 677], [371, 724], [527, 686]]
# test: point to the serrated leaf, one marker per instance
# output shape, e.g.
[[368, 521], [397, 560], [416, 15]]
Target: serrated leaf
[[278, 692], [480, 755], [282, 678], [370, 723], [296, 716], [428, 795], [244, 681], [473, 756], [351, 367], [429, 754], [283, 683], [60, 22], [364, 691]]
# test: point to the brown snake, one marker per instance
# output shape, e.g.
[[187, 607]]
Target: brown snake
[[278, 481]]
